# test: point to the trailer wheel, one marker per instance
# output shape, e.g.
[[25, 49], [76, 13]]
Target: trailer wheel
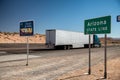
[[92, 46], [68, 47], [99, 46], [65, 47]]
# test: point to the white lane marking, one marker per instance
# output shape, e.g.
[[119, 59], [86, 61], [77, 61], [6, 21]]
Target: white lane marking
[[2, 52], [15, 57]]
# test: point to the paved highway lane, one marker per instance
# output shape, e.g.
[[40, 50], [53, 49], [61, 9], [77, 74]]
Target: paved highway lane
[[50, 64]]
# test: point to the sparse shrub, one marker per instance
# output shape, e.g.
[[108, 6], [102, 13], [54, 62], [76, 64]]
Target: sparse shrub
[[5, 33], [15, 32]]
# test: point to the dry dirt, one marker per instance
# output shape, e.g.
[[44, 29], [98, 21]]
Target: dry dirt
[[113, 72], [51, 64], [7, 37]]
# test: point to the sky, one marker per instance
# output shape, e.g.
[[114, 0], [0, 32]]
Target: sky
[[57, 14]]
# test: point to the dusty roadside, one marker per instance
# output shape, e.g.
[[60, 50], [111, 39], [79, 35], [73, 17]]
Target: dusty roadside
[[51, 64], [97, 72]]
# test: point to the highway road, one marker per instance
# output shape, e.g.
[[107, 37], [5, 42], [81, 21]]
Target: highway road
[[45, 64]]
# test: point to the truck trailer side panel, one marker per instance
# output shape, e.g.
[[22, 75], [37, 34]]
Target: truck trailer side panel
[[75, 39]]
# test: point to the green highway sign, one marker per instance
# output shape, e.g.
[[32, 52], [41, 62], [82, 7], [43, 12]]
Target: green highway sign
[[101, 25]]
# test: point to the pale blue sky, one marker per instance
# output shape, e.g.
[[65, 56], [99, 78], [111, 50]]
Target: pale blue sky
[[57, 14]]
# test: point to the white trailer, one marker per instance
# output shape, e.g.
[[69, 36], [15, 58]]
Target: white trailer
[[66, 39]]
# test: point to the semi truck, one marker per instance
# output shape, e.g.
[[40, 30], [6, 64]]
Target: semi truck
[[69, 39]]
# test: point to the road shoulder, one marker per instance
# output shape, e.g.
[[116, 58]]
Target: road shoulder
[[113, 72]]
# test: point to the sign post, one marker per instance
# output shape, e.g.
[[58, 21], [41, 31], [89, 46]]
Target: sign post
[[26, 29], [101, 25], [89, 69], [105, 58], [27, 50]]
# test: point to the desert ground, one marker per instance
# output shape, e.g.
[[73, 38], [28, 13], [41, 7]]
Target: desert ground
[[50, 64], [59, 64], [113, 72], [7, 37]]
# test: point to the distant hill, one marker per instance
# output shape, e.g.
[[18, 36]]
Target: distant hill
[[7, 37], [110, 40]]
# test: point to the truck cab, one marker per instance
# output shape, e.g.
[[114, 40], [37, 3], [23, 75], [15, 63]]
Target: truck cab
[[96, 41]]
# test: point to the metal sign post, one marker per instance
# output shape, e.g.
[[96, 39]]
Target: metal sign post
[[105, 58], [27, 50], [89, 70]]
